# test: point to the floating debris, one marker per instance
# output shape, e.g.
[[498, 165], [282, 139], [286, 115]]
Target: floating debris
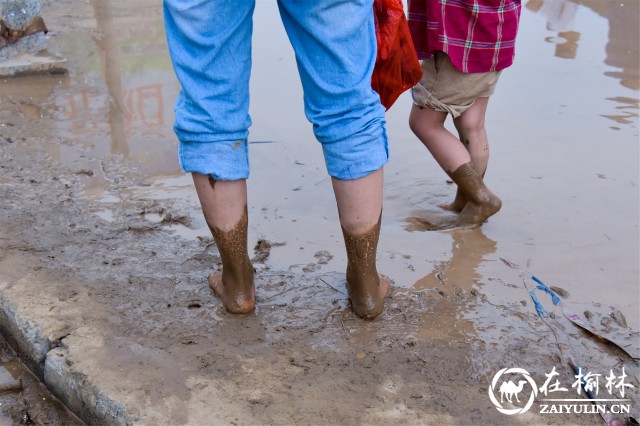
[[560, 292]]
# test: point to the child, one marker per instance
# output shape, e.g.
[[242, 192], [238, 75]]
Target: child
[[464, 45]]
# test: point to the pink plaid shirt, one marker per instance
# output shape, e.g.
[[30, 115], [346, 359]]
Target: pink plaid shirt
[[478, 35]]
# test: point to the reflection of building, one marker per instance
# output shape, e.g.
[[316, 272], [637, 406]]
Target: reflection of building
[[121, 96], [623, 47], [622, 51], [560, 15]]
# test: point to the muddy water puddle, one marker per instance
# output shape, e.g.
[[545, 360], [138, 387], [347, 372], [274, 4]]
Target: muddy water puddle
[[563, 130], [564, 153]]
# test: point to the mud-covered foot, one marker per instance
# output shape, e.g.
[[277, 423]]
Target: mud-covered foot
[[236, 293], [481, 202], [367, 289], [367, 296], [476, 212], [234, 284], [457, 204]]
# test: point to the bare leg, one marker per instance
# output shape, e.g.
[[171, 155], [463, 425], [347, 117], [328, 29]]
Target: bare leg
[[360, 207], [449, 152], [224, 204], [428, 126], [473, 134], [453, 157]]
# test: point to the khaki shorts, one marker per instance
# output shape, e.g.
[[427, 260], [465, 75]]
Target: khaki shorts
[[446, 89]]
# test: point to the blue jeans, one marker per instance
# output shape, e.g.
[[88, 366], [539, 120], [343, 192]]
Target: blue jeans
[[335, 46]]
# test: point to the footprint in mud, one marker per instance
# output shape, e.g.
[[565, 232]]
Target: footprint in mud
[[263, 250], [323, 256], [311, 267]]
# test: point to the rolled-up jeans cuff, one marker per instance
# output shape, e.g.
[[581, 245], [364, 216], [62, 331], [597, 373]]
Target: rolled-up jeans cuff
[[359, 155], [222, 160]]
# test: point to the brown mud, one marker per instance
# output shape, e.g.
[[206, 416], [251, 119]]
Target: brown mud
[[102, 239]]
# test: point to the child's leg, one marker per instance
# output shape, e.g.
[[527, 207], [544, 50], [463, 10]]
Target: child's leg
[[472, 133], [428, 126], [454, 158], [470, 126], [481, 202]]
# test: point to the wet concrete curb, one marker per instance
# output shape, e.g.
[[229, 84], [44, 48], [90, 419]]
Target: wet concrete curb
[[49, 362], [24, 336], [79, 394]]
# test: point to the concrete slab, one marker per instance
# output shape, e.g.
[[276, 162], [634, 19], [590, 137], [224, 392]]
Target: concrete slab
[[26, 64]]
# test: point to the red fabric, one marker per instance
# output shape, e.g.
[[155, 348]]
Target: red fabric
[[478, 35], [397, 67]]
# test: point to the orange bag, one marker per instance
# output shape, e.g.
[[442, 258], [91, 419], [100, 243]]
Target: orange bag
[[397, 67]]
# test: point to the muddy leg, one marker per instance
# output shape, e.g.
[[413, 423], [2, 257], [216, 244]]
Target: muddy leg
[[473, 135], [360, 206], [449, 151], [234, 284], [224, 204], [482, 203], [366, 288], [457, 204], [460, 200]]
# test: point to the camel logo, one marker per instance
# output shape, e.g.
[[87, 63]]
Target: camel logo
[[510, 390]]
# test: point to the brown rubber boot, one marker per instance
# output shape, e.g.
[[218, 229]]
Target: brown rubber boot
[[481, 202], [234, 284], [366, 288]]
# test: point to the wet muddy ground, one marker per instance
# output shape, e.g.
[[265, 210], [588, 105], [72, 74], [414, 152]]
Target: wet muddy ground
[[102, 240]]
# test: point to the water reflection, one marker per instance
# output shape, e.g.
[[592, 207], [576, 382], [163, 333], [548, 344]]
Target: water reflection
[[122, 87], [111, 69], [469, 248], [122, 91], [456, 281], [622, 49], [560, 15]]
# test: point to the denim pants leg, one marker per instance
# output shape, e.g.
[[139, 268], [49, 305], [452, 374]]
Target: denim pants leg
[[335, 46], [210, 47]]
